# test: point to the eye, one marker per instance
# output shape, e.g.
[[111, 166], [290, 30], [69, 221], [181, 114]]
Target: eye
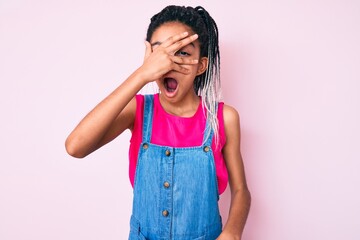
[[182, 53]]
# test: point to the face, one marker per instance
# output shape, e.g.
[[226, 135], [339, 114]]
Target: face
[[174, 86]]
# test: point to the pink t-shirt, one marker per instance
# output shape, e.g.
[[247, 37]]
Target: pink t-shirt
[[171, 130]]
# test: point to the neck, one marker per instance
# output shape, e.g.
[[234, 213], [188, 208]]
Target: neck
[[186, 107]]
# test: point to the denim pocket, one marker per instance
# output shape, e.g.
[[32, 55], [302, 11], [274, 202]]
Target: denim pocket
[[136, 236], [135, 233], [141, 237]]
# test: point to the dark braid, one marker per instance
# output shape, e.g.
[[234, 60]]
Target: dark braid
[[212, 51], [198, 19]]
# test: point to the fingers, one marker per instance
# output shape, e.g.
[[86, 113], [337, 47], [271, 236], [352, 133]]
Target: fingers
[[184, 61], [162, 57], [175, 43], [174, 38], [147, 50], [176, 46], [181, 69], [179, 64]]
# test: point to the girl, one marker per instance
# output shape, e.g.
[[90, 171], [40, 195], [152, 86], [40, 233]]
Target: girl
[[185, 145]]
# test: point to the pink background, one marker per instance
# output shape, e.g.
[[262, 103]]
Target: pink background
[[291, 68]]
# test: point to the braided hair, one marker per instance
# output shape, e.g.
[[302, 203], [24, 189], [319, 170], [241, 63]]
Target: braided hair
[[206, 85]]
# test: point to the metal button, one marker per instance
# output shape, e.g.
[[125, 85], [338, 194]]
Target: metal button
[[167, 153], [165, 213], [206, 148], [145, 146], [166, 184]]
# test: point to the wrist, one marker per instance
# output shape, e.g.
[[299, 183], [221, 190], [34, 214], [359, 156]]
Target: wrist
[[227, 235], [142, 76]]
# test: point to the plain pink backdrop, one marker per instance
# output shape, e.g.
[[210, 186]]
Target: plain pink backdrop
[[291, 68]]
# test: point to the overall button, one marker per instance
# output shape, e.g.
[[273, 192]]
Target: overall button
[[165, 213], [206, 148], [166, 184], [167, 153], [145, 146]]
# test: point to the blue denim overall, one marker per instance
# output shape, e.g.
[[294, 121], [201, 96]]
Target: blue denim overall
[[175, 189]]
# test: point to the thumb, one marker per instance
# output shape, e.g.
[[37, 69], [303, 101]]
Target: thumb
[[147, 50]]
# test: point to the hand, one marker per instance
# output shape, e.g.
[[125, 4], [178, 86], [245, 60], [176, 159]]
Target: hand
[[162, 59], [228, 236]]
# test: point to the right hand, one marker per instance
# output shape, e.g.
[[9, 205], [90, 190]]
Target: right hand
[[162, 59]]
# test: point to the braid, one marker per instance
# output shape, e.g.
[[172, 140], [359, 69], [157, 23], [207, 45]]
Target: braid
[[206, 85]]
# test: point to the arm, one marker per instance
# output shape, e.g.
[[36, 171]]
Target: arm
[[240, 195], [116, 112], [107, 120]]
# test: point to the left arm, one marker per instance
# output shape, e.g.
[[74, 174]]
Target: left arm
[[240, 195]]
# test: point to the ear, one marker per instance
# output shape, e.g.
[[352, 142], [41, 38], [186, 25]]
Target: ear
[[203, 64]]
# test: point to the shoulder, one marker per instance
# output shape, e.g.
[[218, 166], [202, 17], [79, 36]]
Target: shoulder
[[231, 116], [231, 125], [135, 107]]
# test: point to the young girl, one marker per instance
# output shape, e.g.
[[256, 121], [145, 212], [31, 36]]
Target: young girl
[[185, 145]]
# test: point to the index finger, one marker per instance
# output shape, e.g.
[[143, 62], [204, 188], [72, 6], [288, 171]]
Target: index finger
[[174, 38], [176, 46]]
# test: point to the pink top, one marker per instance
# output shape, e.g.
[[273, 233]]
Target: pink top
[[171, 130]]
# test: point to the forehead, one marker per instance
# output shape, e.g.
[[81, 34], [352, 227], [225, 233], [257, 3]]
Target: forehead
[[169, 29]]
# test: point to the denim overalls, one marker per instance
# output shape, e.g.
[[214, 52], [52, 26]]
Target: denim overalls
[[175, 189]]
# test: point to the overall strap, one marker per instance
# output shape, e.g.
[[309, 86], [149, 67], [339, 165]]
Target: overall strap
[[148, 117], [209, 132]]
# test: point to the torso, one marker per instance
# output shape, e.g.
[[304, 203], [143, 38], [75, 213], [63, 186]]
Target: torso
[[175, 131]]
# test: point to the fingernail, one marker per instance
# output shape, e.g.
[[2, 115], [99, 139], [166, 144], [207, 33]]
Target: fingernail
[[185, 33]]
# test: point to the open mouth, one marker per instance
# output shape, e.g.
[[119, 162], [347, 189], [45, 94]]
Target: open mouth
[[170, 84]]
